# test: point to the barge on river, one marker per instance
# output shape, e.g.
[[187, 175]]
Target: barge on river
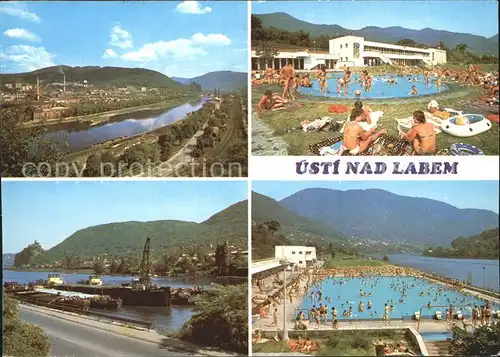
[[128, 295]]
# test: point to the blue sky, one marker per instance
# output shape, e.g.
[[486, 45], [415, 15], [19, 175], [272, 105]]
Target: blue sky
[[50, 211], [461, 194], [475, 16], [182, 39]]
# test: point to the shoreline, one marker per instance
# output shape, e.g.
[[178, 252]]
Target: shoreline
[[117, 144], [106, 117], [91, 272]]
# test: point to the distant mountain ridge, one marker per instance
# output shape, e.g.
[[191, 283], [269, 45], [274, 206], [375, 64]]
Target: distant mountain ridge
[[124, 238], [96, 76], [224, 80], [381, 215], [475, 43]]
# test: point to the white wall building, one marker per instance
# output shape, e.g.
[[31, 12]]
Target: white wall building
[[299, 255], [357, 52], [353, 51], [301, 60]]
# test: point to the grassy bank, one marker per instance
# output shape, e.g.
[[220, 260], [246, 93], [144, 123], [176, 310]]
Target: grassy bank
[[341, 260], [342, 343], [285, 122]]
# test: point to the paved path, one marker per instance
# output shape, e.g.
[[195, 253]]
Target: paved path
[[74, 335], [264, 142], [72, 339]]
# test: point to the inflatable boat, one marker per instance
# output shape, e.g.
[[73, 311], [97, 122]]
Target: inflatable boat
[[466, 125]]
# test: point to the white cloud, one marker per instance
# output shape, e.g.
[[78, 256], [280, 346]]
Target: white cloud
[[120, 38], [12, 9], [22, 34], [192, 7], [211, 39], [109, 53], [23, 58], [180, 48]]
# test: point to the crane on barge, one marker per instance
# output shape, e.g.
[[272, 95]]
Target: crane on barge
[[145, 281]]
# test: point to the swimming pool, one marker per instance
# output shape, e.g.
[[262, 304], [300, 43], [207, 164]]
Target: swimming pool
[[380, 88], [345, 292], [436, 336]]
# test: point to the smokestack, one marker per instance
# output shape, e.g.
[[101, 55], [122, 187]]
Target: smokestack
[[37, 88]]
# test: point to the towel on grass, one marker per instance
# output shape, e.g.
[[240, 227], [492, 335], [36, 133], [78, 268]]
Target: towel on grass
[[374, 117]]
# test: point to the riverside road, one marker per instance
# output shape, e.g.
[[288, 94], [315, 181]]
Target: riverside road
[[73, 339]]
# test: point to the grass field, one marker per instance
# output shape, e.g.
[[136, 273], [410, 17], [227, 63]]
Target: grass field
[[342, 343], [344, 261], [285, 122]]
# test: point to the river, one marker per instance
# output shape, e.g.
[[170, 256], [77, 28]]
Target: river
[[164, 319], [79, 139], [482, 272]]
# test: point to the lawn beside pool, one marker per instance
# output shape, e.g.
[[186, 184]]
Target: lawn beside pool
[[286, 123], [342, 343]]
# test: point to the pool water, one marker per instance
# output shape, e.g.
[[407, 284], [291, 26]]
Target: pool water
[[345, 292], [380, 88], [436, 336]]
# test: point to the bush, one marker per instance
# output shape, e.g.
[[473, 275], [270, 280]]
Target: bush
[[20, 339], [484, 341], [222, 319], [142, 154]]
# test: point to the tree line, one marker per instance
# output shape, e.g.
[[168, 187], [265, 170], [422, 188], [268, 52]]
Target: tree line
[[265, 40], [482, 246]]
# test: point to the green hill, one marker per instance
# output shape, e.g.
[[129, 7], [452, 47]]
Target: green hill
[[96, 76], [430, 37], [127, 238], [226, 81], [482, 246], [296, 228]]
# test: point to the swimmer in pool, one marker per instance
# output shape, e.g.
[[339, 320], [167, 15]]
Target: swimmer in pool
[[323, 84], [414, 90], [357, 93], [369, 304], [340, 85], [368, 81], [361, 307], [438, 83], [347, 80]]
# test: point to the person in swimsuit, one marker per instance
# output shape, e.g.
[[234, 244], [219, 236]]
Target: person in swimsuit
[[427, 77], [368, 81], [347, 80], [269, 75], [366, 111], [422, 135], [475, 316], [323, 84], [305, 81], [270, 101], [356, 140], [340, 85], [287, 75], [386, 315], [438, 83]]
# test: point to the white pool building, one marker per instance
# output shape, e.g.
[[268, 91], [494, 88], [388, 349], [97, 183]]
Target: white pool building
[[353, 51]]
